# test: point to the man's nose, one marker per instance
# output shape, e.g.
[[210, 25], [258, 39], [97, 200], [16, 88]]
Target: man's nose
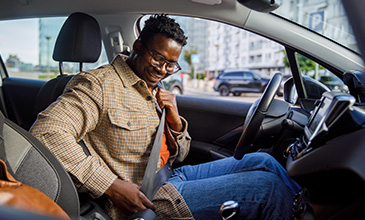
[[163, 69]]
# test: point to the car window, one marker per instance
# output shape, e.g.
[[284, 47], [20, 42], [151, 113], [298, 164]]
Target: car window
[[248, 75], [233, 74], [325, 17], [27, 48], [214, 47], [319, 74]]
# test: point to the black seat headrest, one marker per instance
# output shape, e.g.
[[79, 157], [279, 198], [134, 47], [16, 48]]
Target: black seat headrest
[[79, 39]]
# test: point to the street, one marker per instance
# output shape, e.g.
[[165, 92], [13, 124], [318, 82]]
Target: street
[[203, 88]]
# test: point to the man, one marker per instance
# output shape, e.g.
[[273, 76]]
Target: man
[[113, 110]]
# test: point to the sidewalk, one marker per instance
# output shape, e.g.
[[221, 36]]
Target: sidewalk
[[200, 86]]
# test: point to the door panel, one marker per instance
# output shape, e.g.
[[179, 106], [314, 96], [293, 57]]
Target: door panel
[[215, 126], [20, 96]]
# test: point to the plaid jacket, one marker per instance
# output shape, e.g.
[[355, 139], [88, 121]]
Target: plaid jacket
[[112, 110]]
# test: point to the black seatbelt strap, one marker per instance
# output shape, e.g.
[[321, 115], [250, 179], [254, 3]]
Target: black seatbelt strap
[[148, 182]]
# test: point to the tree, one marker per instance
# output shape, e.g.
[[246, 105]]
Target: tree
[[187, 57], [305, 64]]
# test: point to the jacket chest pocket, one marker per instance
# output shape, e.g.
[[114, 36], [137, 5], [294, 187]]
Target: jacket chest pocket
[[129, 129]]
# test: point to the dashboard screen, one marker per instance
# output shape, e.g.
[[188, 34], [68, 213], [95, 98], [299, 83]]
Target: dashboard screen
[[319, 113], [327, 112]]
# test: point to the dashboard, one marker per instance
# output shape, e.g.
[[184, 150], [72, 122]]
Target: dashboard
[[328, 119], [330, 153]]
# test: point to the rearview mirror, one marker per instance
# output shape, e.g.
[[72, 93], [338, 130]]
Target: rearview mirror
[[261, 5]]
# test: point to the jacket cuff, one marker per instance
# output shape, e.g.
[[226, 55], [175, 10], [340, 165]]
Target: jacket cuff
[[99, 181]]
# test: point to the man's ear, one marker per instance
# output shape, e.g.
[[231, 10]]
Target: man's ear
[[137, 46]]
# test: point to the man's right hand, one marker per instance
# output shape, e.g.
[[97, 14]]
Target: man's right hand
[[127, 196]]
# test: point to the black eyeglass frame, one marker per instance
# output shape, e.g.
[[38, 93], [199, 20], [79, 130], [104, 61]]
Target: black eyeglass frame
[[160, 62]]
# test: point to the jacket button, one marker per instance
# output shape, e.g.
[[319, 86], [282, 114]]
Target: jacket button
[[129, 123], [178, 201], [149, 98]]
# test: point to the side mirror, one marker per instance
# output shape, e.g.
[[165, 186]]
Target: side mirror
[[261, 5], [314, 89], [290, 94]]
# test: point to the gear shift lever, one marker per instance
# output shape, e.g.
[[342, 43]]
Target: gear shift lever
[[229, 210]]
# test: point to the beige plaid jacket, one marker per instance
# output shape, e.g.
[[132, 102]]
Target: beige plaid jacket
[[113, 111]]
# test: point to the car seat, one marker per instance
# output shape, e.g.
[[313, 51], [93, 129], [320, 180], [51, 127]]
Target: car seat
[[30, 161], [33, 164], [79, 41]]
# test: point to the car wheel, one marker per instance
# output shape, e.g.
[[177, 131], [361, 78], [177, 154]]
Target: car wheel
[[223, 90], [176, 90]]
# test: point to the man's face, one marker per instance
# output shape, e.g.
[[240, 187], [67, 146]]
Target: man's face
[[161, 47]]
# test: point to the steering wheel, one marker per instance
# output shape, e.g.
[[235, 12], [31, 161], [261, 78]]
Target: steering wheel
[[255, 116]]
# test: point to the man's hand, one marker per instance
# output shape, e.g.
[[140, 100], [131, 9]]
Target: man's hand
[[127, 196], [168, 100]]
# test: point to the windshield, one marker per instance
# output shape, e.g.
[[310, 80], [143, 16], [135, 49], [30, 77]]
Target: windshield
[[325, 17]]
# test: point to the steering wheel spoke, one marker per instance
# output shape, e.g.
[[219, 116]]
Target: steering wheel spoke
[[255, 116]]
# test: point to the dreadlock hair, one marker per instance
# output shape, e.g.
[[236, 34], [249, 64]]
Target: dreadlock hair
[[162, 24]]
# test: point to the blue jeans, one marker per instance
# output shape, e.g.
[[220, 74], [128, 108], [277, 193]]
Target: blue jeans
[[258, 183]]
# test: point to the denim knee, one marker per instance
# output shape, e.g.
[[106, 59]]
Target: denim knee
[[260, 156]]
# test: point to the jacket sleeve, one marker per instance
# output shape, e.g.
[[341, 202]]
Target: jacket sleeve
[[179, 142], [67, 121]]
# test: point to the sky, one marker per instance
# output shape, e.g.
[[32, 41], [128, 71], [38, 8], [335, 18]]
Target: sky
[[20, 38]]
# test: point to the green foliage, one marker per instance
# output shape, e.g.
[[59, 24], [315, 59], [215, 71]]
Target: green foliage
[[187, 57], [187, 54], [305, 64], [200, 76]]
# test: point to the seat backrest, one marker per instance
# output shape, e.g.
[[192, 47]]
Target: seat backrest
[[50, 91], [33, 164], [79, 41]]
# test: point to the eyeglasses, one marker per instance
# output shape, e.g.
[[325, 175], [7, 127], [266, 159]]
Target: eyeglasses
[[157, 60]]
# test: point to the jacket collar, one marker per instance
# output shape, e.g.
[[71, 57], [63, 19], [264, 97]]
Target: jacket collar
[[126, 74]]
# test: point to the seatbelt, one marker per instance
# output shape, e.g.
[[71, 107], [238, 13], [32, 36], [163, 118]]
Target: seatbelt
[[148, 186], [152, 181]]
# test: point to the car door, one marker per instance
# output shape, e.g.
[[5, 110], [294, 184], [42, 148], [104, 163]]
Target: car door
[[214, 125], [234, 80], [18, 98], [253, 82]]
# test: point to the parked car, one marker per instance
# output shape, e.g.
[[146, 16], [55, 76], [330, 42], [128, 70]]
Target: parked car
[[174, 84], [320, 140], [334, 83], [237, 82]]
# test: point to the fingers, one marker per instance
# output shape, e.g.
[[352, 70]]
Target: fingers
[[127, 196], [168, 100], [146, 202]]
